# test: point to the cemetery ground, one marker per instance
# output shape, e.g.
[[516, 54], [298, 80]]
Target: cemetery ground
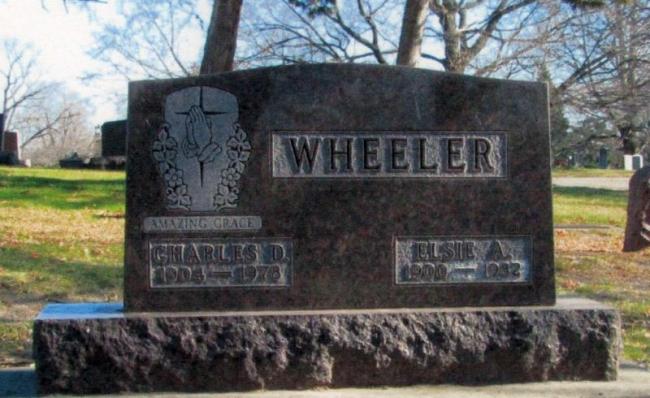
[[61, 240]]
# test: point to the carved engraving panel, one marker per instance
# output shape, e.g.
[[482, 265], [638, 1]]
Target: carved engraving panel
[[457, 260], [201, 150], [202, 223], [389, 154], [232, 262]]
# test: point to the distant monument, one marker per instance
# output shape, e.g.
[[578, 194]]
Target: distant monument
[[114, 144], [10, 147], [10, 155], [329, 226], [637, 230], [114, 138], [633, 162], [603, 161], [73, 161]]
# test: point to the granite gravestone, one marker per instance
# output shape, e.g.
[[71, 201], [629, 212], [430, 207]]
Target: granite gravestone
[[12, 142], [336, 196], [603, 161], [10, 155], [336, 187], [637, 229], [114, 138]]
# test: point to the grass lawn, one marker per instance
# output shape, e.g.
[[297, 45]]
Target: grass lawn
[[576, 205], [61, 234], [591, 173], [61, 239]]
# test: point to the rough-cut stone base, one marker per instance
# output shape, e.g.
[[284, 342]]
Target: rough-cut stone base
[[93, 348]]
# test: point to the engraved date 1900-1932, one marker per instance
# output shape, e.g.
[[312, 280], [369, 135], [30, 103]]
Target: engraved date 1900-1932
[[220, 263], [434, 260]]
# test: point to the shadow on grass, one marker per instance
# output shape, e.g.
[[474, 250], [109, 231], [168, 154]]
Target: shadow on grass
[[18, 383], [62, 194], [33, 279], [606, 195]]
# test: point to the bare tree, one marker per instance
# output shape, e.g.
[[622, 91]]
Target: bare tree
[[484, 36], [55, 128], [603, 69], [299, 31], [221, 41], [410, 40], [292, 31], [20, 82], [153, 40], [479, 37]]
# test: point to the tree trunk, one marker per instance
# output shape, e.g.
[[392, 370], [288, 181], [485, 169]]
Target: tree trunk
[[221, 42], [454, 61], [410, 40]]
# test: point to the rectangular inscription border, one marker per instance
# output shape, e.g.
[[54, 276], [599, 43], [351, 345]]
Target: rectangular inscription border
[[288, 266], [279, 170], [396, 264]]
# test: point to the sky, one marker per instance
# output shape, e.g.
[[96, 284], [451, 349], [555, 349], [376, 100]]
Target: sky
[[62, 38]]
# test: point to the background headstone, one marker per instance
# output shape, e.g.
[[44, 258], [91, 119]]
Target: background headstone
[[637, 230], [11, 144], [73, 161], [633, 162], [603, 161], [2, 130], [114, 138]]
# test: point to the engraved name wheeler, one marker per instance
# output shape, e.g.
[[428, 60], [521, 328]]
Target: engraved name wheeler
[[201, 150], [380, 154]]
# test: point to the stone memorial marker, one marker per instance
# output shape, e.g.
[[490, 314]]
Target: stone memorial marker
[[312, 225], [11, 144], [355, 188], [637, 229], [603, 161], [114, 138]]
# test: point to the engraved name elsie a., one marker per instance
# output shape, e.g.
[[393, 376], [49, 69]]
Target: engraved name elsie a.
[[390, 154], [458, 260]]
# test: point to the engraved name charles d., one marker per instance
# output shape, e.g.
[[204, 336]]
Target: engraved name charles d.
[[201, 150], [220, 262]]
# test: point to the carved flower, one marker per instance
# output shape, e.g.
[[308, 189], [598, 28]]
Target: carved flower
[[219, 201], [226, 196], [232, 196], [172, 196], [240, 150], [174, 178], [230, 177], [184, 199], [164, 148], [220, 197], [178, 196]]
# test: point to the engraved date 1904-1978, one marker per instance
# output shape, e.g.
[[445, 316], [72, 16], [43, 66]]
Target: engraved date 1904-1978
[[434, 260], [220, 263]]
